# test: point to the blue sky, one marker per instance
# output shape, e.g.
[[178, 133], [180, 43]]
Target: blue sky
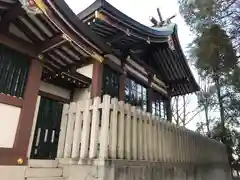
[[141, 10]]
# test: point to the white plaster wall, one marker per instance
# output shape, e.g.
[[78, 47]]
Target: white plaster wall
[[81, 94], [86, 70], [12, 172], [55, 90], [9, 118]]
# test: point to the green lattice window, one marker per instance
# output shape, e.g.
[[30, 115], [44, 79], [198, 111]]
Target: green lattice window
[[159, 105], [135, 94], [13, 72], [110, 83]]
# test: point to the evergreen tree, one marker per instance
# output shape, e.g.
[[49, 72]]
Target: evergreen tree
[[216, 25]]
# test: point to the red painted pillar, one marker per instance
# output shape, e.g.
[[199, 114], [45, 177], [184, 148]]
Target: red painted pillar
[[97, 79], [9, 156], [122, 87]]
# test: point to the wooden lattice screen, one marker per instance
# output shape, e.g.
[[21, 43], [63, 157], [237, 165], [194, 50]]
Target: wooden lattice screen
[[13, 72]]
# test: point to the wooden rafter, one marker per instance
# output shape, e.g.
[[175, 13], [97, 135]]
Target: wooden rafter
[[11, 15], [26, 31], [52, 43], [5, 4], [18, 44]]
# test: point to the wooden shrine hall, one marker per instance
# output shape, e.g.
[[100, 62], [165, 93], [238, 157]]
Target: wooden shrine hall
[[89, 96]]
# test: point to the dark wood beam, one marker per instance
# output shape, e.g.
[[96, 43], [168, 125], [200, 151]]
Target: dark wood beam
[[68, 31], [26, 31], [5, 4], [11, 15], [116, 38], [18, 44], [52, 43]]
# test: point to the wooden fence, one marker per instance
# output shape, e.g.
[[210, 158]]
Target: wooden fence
[[109, 129]]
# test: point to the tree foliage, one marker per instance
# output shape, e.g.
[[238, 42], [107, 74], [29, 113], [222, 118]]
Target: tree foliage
[[200, 14], [215, 50]]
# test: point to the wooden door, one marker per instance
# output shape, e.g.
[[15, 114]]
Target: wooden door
[[46, 135]]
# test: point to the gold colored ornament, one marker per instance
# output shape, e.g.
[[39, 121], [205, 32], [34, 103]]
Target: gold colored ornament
[[20, 161], [40, 5], [97, 57], [99, 15], [40, 57], [67, 38]]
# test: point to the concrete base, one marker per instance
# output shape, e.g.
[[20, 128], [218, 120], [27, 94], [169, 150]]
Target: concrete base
[[126, 170], [12, 172], [111, 170]]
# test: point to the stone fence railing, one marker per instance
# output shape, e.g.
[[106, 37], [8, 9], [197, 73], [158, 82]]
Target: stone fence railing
[[108, 129]]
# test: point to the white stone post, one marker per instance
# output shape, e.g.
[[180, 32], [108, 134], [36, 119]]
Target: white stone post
[[94, 128], [155, 143], [150, 140], [164, 141], [77, 131], [146, 139], [134, 132], [128, 132], [121, 134], [140, 135], [104, 145], [113, 126], [85, 130], [70, 126], [178, 146], [175, 144], [63, 130], [158, 140]]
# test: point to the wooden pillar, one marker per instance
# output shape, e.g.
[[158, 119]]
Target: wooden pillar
[[97, 77], [149, 93], [9, 156], [122, 87], [169, 109]]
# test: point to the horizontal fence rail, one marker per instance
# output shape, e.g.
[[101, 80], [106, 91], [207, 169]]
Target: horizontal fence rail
[[109, 129]]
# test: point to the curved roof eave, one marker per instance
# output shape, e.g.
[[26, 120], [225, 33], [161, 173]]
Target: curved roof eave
[[104, 5], [197, 88], [81, 27]]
